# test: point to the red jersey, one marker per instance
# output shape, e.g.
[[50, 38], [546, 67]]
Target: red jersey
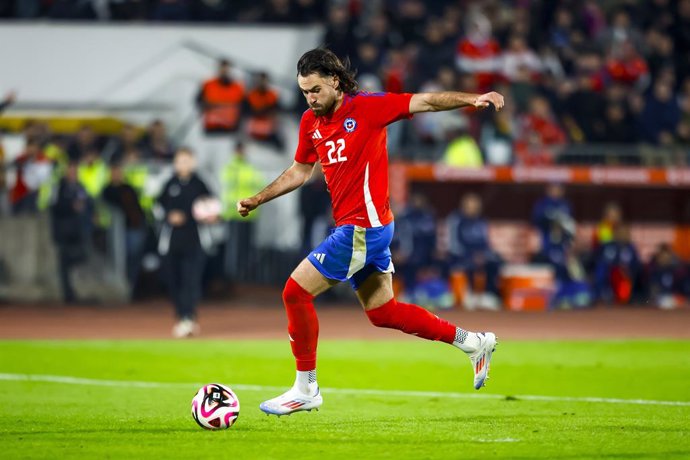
[[351, 146]]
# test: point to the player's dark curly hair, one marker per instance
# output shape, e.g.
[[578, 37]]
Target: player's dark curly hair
[[325, 63]]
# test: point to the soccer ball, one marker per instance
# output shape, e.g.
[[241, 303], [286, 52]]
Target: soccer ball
[[206, 209], [215, 407]]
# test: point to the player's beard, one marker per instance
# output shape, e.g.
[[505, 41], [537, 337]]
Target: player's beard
[[321, 110]]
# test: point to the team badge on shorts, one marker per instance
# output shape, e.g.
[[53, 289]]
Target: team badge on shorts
[[349, 124]]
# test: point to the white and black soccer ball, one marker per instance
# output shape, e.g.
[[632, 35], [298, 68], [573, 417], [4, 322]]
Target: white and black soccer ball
[[215, 407]]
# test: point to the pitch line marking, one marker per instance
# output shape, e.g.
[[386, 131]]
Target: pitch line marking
[[69, 380]]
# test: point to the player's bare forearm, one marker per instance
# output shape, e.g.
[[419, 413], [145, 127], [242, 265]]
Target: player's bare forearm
[[449, 100], [291, 179]]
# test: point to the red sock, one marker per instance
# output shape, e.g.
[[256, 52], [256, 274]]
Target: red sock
[[412, 319], [303, 324]]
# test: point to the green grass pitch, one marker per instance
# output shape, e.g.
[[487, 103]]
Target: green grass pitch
[[532, 408]]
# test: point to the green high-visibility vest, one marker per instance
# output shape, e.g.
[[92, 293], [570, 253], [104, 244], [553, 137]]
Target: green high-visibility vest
[[94, 177], [463, 152], [239, 180], [47, 190], [136, 176]]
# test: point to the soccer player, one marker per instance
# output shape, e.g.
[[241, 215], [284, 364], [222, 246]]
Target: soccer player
[[345, 130]]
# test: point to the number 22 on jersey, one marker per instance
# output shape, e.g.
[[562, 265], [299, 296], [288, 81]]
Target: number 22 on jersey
[[335, 151]]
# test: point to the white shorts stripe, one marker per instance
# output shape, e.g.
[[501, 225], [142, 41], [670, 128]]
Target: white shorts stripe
[[371, 209]]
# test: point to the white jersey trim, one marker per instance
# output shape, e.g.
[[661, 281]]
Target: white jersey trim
[[371, 209]]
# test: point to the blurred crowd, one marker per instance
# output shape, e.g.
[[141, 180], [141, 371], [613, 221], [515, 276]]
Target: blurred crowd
[[87, 180], [606, 270], [614, 72]]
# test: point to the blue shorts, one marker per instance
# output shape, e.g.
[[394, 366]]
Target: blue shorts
[[352, 253]]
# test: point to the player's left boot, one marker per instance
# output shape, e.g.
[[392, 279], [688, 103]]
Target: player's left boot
[[291, 401], [481, 357]]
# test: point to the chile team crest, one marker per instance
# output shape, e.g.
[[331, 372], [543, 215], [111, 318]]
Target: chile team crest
[[349, 124]]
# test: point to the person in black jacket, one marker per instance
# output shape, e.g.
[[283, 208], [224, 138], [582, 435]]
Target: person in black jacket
[[125, 199], [181, 240], [70, 213]]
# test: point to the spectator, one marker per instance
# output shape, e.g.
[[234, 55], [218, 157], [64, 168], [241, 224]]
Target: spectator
[[618, 126], [279, 12], [414, 243], [621, 31], [626, 66], [539, 135], [660, 114], [309, 11], [84, 140], [128, 10], [553, 211], [618, 268], [239, 179], [431, 290], [156, 144], [432, 127], [124, 198], [71, 9], [561, 35], [680, 31], [395, 71], [125, 141], [340, 37], [434, 52], [519, 62], [612, 218], [368, 61], [410, 19], [661, 54], [93, 173], [572, 288], [172, 10], [181, 243], [478, 52], [667, 278], [593, 19], [540, 120], [70, 218], [136, 174], [462, 150], [220, 100], [262, 102], [585, 105], [380, 34], [28, 9], [470, 251], [33, 169], [521, 67]]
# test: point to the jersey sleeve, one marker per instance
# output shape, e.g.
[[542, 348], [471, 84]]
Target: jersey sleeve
[[306, 153], [386, 108]]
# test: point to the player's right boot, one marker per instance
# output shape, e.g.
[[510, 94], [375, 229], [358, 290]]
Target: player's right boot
[[291, 401], [481, 357]]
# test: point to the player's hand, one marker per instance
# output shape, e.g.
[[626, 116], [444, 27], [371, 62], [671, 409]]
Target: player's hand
[[244, 207], [176, 218], [484, 100]]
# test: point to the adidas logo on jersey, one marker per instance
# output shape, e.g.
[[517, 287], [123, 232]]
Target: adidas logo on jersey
[[319, 256], [317, 135]]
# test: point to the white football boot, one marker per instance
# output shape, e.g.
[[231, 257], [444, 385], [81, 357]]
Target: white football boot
[[185, 328], [481, 357], [291, 401]]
